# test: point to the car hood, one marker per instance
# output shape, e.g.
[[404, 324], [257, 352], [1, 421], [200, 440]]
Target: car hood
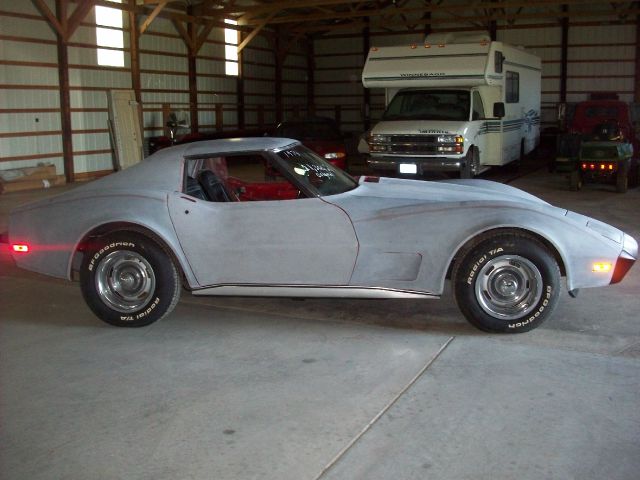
[[391, 194]]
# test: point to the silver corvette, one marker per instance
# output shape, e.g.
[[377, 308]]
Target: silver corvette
[[267, 217]]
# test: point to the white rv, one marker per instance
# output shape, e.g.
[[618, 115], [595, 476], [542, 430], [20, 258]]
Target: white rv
[[453, 103]]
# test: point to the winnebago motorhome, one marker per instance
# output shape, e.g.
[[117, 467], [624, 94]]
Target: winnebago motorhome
[[453, 103]]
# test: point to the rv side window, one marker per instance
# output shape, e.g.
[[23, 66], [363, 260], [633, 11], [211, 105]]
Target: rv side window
[[498, 60], [512, 94], [478, 108]]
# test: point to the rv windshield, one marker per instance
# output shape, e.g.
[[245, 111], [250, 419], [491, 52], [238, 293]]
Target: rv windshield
[[429, 105]]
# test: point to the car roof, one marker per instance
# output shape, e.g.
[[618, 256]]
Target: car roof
[[161, 171], [234, 145]]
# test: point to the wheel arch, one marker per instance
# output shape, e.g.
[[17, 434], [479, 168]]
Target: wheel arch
[[123, 226], [467, 245]]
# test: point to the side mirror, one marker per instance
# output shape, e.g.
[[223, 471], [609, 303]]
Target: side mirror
[[498, 109]]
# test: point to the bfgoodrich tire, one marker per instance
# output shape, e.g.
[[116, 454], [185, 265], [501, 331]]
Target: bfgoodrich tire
[[507, 283], [128, 280]]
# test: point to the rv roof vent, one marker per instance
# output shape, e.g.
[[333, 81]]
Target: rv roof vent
[[453, 37]]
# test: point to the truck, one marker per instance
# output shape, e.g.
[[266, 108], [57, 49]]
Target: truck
[[600, 144], [453, 103]]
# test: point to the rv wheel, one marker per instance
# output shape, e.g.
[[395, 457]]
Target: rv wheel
[[471, 164], [622, 179]]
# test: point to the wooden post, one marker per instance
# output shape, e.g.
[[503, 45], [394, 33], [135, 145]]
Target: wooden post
[[366, 98], [564, 54], [636, 85], [260, 116], [193, 74], [65, 97], [278, 76], [219, 117], [310, 77], [134, 41], [240, 100]]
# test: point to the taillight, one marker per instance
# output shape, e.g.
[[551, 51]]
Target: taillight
[[601, 166], [20, 248]]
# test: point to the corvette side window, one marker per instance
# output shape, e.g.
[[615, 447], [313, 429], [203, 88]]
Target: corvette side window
[[243, 177]]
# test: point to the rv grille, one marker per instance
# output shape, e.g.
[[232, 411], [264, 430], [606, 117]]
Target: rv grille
[[413, 144]]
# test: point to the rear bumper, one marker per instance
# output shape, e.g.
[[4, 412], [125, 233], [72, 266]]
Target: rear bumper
[[4, 237], [424, 164]]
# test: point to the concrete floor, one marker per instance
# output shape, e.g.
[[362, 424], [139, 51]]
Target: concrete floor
[[322, 389]]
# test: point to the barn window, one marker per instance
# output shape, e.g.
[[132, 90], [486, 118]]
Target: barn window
[[231, 49], [109, 34]]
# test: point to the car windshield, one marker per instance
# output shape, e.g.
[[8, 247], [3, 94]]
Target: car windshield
[[315, 173], [429, 105], [309, 131]]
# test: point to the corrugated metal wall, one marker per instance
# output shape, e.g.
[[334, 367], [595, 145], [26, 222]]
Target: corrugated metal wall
[[30, 125]]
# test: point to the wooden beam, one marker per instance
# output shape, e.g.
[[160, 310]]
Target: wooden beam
[[461, 19], [151, 17], [564, 54], [306, 18], [311, 67], [65, 97], [203, 35], [278, 76], [193, 77], [78, 15], [183, 33], [44, 9], [636, 86], [366, 96], [134, 54], [255, 31]]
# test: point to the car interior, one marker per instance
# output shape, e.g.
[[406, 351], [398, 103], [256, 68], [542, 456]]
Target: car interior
[[236, 178]]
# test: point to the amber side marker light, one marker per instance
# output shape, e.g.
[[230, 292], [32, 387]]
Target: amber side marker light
[[601, 267], [20, 248]]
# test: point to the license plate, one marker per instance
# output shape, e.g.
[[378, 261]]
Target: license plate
[[409, 168]]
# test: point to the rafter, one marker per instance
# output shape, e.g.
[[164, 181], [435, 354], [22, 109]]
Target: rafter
[[151, 17], [255, 31], [424, 9], [50, 16], [470, 19], [78, 15]]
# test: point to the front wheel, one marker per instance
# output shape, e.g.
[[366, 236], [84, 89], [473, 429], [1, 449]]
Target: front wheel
[[507, 283], [471, 165], [128, 280]]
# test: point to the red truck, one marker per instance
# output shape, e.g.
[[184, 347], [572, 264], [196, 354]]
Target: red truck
[[601, 144]]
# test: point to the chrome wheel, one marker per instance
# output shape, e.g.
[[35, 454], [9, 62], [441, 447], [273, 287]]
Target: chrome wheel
[[508, 287], [125, 281]]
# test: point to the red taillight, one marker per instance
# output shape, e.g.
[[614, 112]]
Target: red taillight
[[20, 248]]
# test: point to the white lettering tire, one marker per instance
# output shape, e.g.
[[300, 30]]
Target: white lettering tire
[[128, 280], [507, 283]]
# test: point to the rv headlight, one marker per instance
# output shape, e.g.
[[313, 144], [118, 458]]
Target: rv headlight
[[379, 139], [450, 139]]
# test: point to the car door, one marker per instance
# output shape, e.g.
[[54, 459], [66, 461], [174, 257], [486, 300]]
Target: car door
[[304, 241]]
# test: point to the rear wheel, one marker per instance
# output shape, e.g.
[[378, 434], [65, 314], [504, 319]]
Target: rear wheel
[[128, 280], [507, 283]]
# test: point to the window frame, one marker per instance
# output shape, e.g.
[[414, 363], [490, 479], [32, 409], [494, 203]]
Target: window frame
[[110, 51], [512, 87]]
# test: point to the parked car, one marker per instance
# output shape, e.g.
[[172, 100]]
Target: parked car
[[320, 134], [211, 217]]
